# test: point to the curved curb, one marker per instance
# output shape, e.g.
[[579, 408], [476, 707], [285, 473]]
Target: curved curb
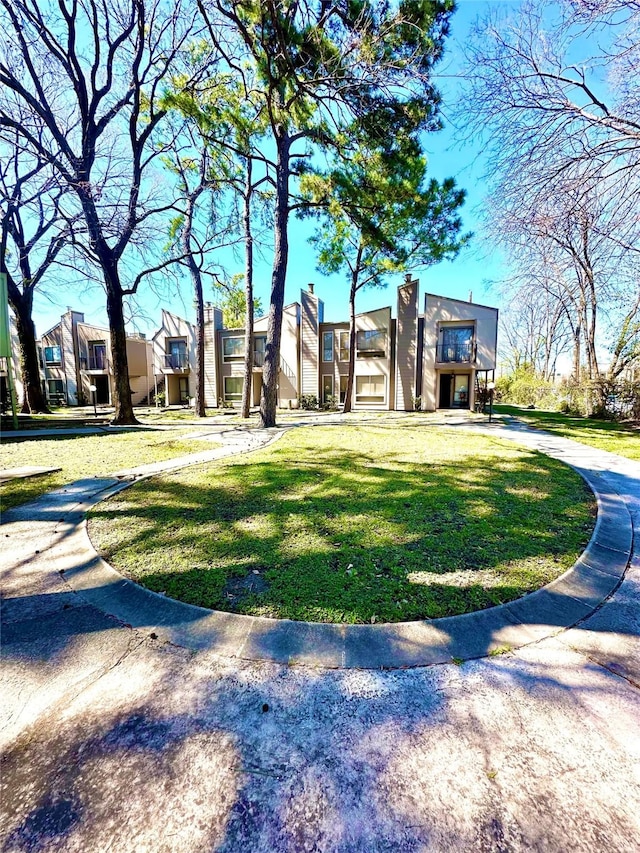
[[557, 606]]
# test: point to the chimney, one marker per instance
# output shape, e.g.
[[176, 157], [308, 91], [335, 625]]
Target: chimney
[[407, 278], [471, 296], [311, 285]]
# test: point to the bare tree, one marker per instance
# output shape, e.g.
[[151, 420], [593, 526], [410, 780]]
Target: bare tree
[[92, 75], [32, 234], [541, 109], [553, 93]]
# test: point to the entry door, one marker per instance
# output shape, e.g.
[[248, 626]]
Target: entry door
[[327, 388], [102, 389], [183, 384], [444, 401]]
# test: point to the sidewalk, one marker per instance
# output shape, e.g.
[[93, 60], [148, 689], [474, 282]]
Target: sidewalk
[[150, 736]]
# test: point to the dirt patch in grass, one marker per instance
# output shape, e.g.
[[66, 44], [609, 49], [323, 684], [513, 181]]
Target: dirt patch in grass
[[353, 524]]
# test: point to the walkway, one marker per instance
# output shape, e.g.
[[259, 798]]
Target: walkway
[[136, 737]]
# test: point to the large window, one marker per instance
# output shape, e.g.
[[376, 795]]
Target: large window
[[176, 356], [97, 355], [456, 344], [52, 355], [343, 346], [370, 389], [371, 342], [327, 346], [233, 388], [232, 349]]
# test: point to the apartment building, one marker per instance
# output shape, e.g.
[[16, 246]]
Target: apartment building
[[76, 356], [435, 358]]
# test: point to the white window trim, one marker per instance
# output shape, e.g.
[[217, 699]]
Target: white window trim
[[232, 398], [227, 358], [370, 398], [324, 347]]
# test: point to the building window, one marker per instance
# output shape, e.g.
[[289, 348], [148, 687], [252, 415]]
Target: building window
[[327, 388], [370, 389], [232, 349], [371, 342], [456, 346], [327, 346], [259, 351], [97, 355], [176, 356], [55, 388], [343, 346], [233, 388], [52, 355]]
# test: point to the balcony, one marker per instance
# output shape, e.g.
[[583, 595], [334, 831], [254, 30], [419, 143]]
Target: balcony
[[175, 362], [97, 364], [459, 353]]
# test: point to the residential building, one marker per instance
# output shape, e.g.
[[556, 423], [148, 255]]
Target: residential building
[[76, 356], [16, 371], [459, 344], [435, 359]]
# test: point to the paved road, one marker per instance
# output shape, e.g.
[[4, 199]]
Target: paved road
[[117, 739]]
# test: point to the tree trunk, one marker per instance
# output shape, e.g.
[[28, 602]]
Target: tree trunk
[[196, 278], [34, 399], [348, 394], [123, 407], [269, 398], [248, 347], [576, 352], [201, 411], [355, 273]]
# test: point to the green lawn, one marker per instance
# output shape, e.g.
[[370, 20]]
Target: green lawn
[[623, 439], [353, 524], [86, 456]]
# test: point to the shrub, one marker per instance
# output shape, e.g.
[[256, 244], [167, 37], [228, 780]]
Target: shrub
[[524, 388], [331, 403], [308, 402]]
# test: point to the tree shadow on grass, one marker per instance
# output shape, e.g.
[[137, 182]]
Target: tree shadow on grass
[[345, 539]]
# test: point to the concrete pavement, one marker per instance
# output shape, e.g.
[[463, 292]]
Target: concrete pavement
[[133, 737]]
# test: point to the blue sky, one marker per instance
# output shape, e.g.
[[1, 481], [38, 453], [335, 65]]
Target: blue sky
[[473, 271]]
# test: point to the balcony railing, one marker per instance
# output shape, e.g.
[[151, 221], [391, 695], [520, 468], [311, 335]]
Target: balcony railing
[[455, 353], [176, 360], [97, 362]]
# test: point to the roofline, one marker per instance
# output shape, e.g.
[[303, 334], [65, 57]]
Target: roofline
[[461, 301]]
